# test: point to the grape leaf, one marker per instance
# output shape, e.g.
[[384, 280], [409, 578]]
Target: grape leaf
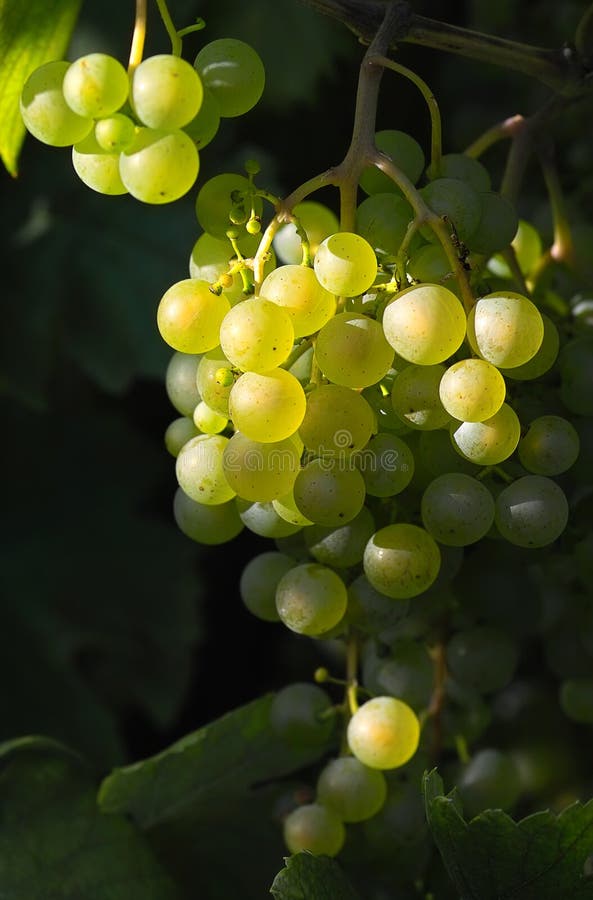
[[308, 877], [542, 857], [31, 34], [55, 844]]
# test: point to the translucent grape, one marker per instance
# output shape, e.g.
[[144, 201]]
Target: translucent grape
[[401, 560], [457, 509], [95, 85], [45, 113], [352, 790], [489, 780], [505, 328], [259, 471], [329, 492], [465, 168], [267, 406], [189, 316], [543, 360], [343, 546], [406, 153], [256, 335], [180, 382], [311, 599], [208, 420], [345, 264], [485, 658], [166, 92], [262, 519], [218, 197], [159, 166], [382, 220], [386, 465], [415, 397], [383, 733], [97, 168], [489, 442], [199, 470], [298, 292], [299, 715], [259, 581], [211, 384], [234, 73], [425, 324], [472, 390], [338, 421], [178, 433], [115, 133], [550, 446], [351, 350], [532, 511], [318, 223], [497, 226], [210, 525], [204, 126], [457, 201], [315, 828]]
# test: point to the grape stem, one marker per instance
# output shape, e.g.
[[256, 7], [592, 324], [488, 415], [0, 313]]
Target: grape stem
[[351, 697], [176, 42], [138, 37], [508, 128]]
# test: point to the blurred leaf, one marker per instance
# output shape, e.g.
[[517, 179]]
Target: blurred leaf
[[308, 877], [31, 34]]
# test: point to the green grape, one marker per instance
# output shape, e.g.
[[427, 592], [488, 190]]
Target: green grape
[[316, 220], [345, 264], [338, 421], [550, 447], [379, 399], [406, 673], [329, 491], [576, 699], [180, 382], [234, 73], [401, 560], [189, 316], [497, 226], [178, 433], [415, 397], [490, 780], [166, 92], [370, 611], [576, 373], [430, 263], [527, 245], [343, 546], [532, 511], [95, 167], [406, 153], [267, 406], [115, 133], [425, 324], [259, 581], [210, 525], [95, 85], [472, 390], [351, 350], [218, 197], [287, 509], [383, 733], [259, 471], [489, 442], [457, 201], [465, 168], [300, 714], [212, 384], [256, 335], [208, 420], [505, 328], [311, 599], [382, 220], [159, 166], [298, 292], [437, 455], [45, 113], [200, 472], [543, 360], [314, 828], [204, 126], [457, 509], [484, 658], [262, 519], [352, 790], [386, 465]]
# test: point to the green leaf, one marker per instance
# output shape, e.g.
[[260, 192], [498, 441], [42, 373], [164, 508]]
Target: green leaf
[[308, 877], [31, 34], [55, 844], [542, 857]]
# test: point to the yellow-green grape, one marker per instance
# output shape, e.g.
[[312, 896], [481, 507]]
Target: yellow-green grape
[[401, 560], [383, 733], [208, 420], [457, 509], [527, 245], [259, 581], [95, 85], [166, 91], [219, 197], [258, 471], [532, 511], [457, 201], [205, 124], [233, 71], [425, 324], [386, 464], [351, 350], [178, 433], [267, 406], [345, 264], [200, 472], [543, 360], [415, 397], [472, 390], [189, 316], [343, 546], [406, 153], [550, 447], [45, 113], [465, 168], [430, 263], [318, 223], [315, 828], [262, 519], [97, 168], [287, 509], [180, 382], [159, 166], [329, 491], [214, 380], [210, 525], [338, 421], [497, 226], [256, 335], [489, 442], [299, 293], [505, 328], [311, 599], [354, 791], [115, 133]]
